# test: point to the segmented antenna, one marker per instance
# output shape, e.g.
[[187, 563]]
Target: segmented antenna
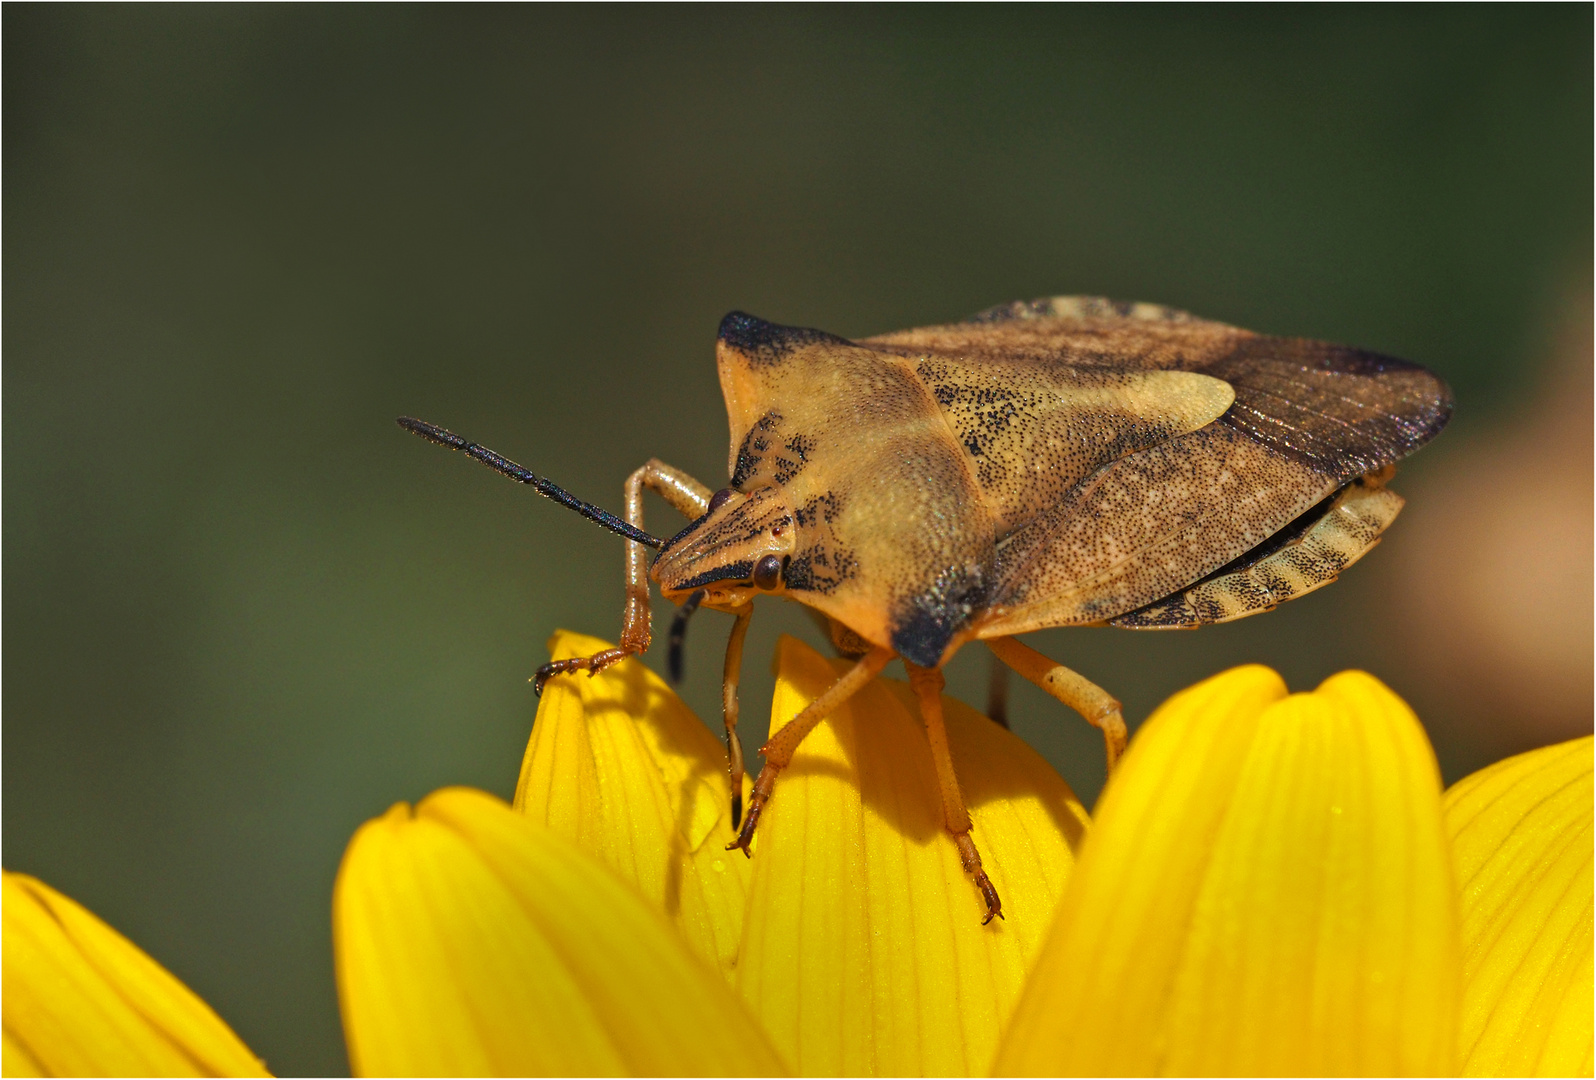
[[501, 464], [678, 662]]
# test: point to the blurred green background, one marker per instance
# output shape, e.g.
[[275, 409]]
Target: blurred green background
[[244, 612]]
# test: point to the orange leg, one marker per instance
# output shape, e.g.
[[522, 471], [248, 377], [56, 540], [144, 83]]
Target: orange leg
[[782, 745], [928, 684], [1094, 703], [729, 709], [686, 495]]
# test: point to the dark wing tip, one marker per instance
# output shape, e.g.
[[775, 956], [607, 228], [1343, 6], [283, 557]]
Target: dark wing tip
[[1345, 411]]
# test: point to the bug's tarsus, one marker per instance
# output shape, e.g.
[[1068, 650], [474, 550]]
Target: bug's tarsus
[[970, 859], [779, 750], [677, 661], [994, 906], [590, 664], [543, 486], [764, 785]]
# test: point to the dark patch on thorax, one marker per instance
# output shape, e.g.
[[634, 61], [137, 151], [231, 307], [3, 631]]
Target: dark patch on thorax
[[923, 625]]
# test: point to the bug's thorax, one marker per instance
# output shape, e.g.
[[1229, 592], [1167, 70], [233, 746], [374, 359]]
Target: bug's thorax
[[720, 552]]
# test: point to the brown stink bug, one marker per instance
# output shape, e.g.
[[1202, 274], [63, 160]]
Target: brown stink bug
[[1065, 462]]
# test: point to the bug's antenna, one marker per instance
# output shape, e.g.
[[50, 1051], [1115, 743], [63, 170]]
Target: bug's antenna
[[678, 662], [499, 463]]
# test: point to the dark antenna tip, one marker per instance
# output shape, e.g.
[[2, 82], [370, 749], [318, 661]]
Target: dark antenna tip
[[432, 433], [677, 660], [548, 488]]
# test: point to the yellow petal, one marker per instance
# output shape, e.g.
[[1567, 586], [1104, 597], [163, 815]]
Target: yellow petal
[[1521, 838], [1266, 890], [15, 1059], [864, 951], [470, 941], [619, 766], [82, 1000]]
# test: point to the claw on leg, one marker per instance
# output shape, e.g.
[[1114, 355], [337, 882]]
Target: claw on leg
[[756, 804], [590, 664], [927, 684], [779, 750], [970, 859]]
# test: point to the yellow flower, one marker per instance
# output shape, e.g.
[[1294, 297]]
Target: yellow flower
[[82, 1000], [1267, 890], [1274, 883], [1269, 887], [851, 943], [621, 768], [472, 942], [1521, 841]]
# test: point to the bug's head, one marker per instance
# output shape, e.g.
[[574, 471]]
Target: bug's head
[[737, 551]]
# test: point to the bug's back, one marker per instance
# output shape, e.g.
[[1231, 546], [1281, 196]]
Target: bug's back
[[1064, 461]]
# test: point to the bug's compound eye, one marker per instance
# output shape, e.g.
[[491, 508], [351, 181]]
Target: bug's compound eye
[[718, 500], [767, 572]]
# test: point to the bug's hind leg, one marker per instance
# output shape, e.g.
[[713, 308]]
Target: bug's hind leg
[[1096, 706], [928, 684], [685, 494], [779, 750], [997, 693]]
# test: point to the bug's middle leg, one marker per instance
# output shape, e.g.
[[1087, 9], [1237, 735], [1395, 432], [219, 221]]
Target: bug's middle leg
[[779, 750], [928, 684], [686, 495], [1096, 706]]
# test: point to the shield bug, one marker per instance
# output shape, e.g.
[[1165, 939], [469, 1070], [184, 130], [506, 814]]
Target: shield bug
[[1071, 461]]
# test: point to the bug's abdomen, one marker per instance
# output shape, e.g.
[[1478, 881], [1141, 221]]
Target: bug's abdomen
[[1305, 556]]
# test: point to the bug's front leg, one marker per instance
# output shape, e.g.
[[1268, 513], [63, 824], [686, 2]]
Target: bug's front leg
[[779, 750], [1096, 705], [686, 495]]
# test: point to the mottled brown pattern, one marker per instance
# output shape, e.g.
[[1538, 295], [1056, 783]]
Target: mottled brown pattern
[[1338, 534], [1145, 526], [1058, 461], [1034, 430], [1346, 411]]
